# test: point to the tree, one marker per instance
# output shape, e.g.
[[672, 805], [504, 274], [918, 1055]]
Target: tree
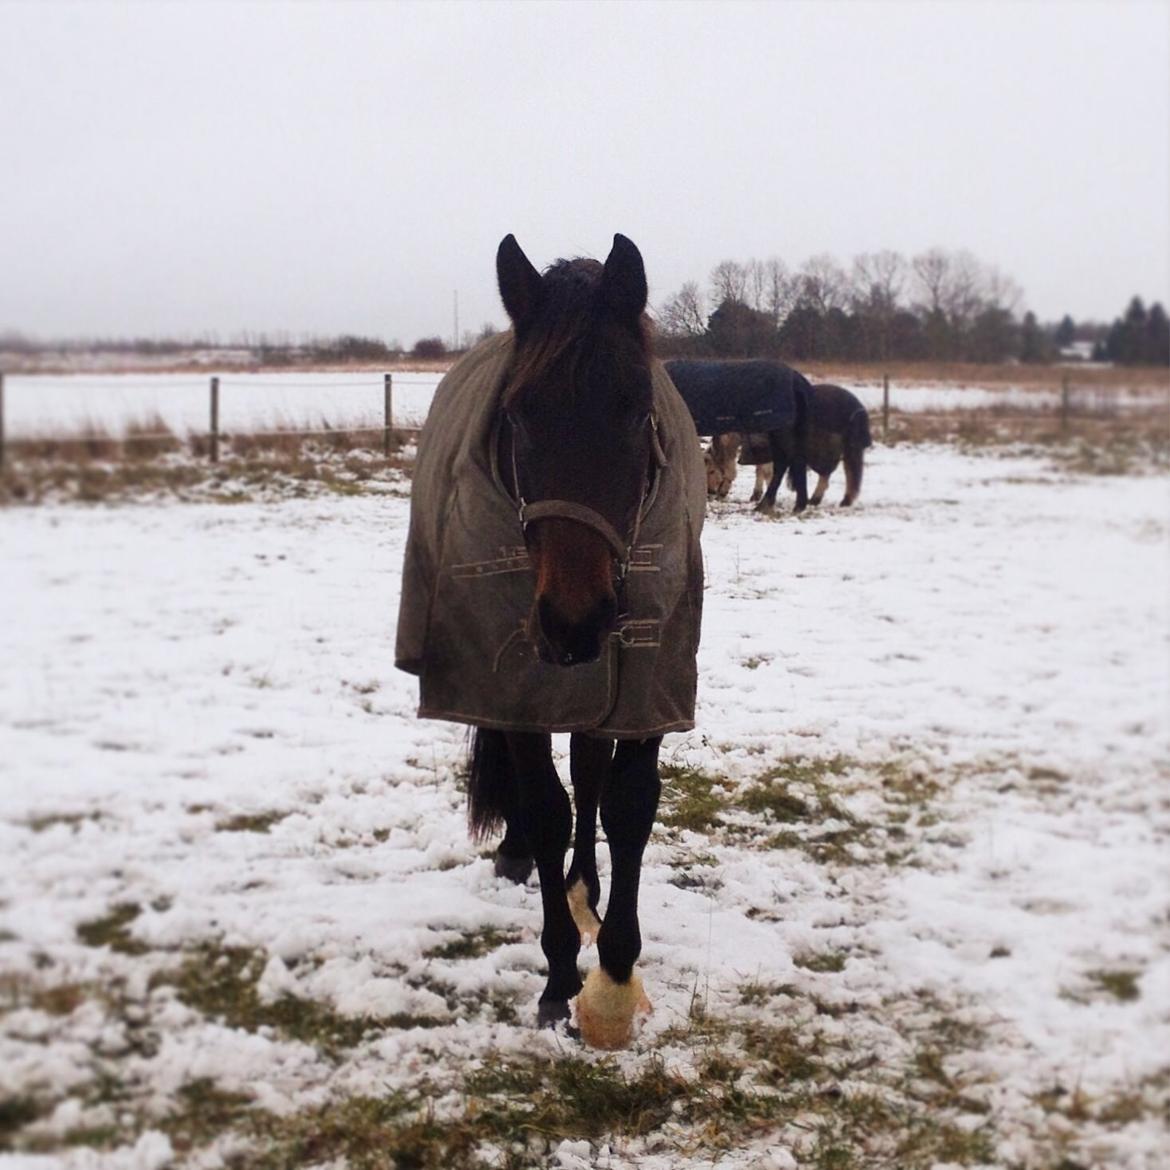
[[735, 329], [682, 314], [878, 278], [729, 282], [1033, 343], [823, 284], [429, 348], [1157, 348], [1066, 332]]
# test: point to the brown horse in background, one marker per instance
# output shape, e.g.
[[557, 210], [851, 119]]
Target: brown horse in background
[[838, 432]]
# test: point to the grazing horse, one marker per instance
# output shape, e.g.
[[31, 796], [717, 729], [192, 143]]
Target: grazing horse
[[553, 582], [838, 431], [763, 396]]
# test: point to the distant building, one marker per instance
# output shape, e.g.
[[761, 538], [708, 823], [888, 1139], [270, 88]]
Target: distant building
[[1077, 351]]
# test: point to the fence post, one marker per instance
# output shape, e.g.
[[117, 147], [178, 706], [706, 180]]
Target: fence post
[[387, 388], [1064, 404], [214, 445], [1, 418], [885, 406]]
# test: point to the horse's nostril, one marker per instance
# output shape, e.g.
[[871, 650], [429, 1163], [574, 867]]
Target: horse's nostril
[[572, 643]]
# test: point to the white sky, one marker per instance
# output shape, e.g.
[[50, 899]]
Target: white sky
[[319, 168]]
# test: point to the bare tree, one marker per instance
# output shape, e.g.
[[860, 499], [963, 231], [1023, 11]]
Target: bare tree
[[781, 290], [682, 314], [823, 283], [729, 282], [878, 280], [932, 271]]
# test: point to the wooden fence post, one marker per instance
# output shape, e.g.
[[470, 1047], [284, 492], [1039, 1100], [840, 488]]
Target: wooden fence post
[[388, 426], [885, 406], [1064, 404], [213, 447], [1, 418]]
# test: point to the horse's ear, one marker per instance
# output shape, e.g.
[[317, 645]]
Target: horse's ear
[[623, 284], [520, 284]]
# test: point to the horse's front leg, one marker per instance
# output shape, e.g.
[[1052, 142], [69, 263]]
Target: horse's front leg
[[629, 800], [546, 820], [589, 763]]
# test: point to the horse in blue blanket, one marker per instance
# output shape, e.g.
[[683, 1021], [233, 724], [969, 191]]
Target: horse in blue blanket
[[761, 396]]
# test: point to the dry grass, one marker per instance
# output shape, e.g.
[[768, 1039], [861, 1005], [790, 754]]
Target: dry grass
[[94, 465]]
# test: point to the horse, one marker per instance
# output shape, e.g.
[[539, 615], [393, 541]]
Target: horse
[[553, 582], [838, 431], [760, 396]]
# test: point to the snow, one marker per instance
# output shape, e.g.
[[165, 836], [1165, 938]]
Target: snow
[[992, 628]]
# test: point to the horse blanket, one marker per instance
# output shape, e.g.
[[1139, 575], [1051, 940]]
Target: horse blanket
[[739, 396], [467, 586]]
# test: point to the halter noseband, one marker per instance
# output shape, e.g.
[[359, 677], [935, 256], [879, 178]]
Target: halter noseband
[[622, 548]]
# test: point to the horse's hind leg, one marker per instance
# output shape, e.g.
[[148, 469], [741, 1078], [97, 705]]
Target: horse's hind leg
[[546, 819], [779, 465], [822, 487], [589, 764], [613, 992]]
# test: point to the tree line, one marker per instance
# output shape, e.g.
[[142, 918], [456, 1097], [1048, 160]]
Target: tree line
[[937, 306]]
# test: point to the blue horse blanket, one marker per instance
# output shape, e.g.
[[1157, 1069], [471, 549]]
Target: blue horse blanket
[[739, 396]]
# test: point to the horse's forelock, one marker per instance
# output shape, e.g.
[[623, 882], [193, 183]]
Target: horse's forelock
[[566, 330]]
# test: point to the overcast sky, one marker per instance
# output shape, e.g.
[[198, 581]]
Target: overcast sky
[[175, 168]]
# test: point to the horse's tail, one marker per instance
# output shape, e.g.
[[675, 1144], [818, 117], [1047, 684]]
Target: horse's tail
[[488, 782], [857, 438], [857, 429]]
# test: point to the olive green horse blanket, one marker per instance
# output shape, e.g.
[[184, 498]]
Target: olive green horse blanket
[[467, 587]]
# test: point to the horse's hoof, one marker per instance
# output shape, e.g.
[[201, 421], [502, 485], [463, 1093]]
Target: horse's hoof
[[606, 1010], [515, 869], [551, 1012], [588, 924]]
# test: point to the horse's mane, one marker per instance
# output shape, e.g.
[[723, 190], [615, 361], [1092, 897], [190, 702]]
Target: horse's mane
[[570, 330]]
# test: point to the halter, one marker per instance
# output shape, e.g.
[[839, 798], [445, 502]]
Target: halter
[[622, 548]]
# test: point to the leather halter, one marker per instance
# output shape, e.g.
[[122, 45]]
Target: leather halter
[[621, 546]]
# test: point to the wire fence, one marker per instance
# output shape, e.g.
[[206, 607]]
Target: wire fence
[[210, 438], [1069, 402]]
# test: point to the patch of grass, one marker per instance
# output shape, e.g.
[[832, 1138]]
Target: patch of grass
[[692, 799], [250, 822], [50, 820], [15, 1113], [222, 983], [113, 930], [473, 944], [826, 962], [1121, 984], [202, 1112], [573, 1098]]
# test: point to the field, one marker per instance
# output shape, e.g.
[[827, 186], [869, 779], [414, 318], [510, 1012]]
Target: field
[[906, 904]]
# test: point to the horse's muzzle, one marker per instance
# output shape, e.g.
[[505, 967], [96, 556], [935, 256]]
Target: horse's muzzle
[[560, 642]]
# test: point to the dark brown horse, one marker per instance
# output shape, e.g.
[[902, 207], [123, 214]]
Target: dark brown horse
[[553, 582], [838, 432]]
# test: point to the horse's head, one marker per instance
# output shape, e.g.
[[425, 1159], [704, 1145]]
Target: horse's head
[[579, 439]]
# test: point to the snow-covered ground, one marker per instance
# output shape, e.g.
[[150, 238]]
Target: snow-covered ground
[[962, 686], [60, 404]]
